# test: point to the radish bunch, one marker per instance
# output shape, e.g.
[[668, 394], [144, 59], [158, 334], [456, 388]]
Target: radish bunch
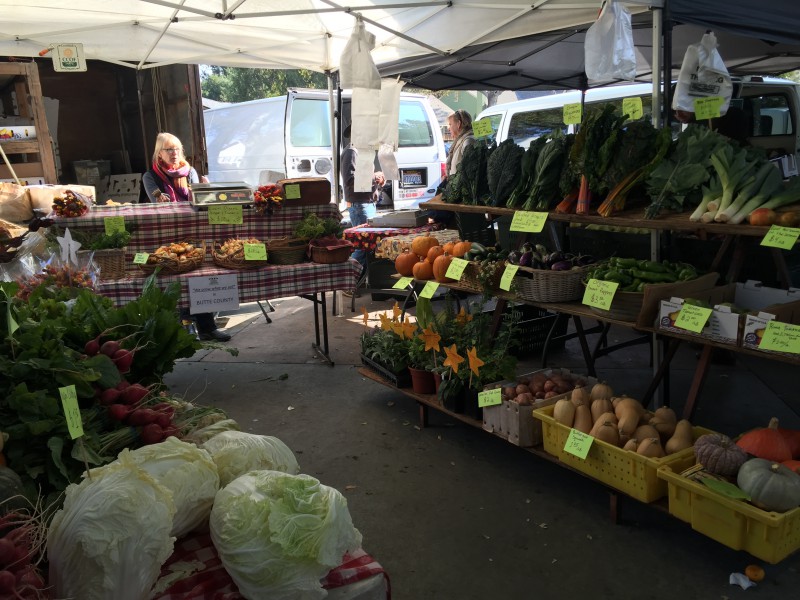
[[121, 357], [127, 404], [19, 577]]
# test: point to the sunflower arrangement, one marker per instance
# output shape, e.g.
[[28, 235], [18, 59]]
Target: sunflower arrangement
[[268, 198]]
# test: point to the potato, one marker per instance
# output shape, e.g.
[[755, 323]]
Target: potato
[[522, 389], [509, 391], [524, 399]]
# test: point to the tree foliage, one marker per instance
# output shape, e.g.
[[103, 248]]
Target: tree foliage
[[233, 84]]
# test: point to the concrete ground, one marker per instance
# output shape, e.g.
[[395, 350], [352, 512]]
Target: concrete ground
[[455, 513]]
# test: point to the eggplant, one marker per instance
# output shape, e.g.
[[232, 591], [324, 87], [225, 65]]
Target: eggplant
[[584, 259], [526, 247], [526, 259], [562, 265], [513, 257]]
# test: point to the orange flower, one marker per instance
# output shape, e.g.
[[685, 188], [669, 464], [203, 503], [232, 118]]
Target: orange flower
[[462, 318], [431, 338], [396, 312], [399, 330], [453, 359], [409, 328], [475, 363], [386, 324], [365, 312]]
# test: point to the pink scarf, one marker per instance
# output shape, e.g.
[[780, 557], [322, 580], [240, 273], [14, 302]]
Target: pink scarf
[[176, 181]]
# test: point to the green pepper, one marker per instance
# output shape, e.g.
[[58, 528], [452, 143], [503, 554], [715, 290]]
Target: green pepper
[[687, 274], [653, 266], [625, 263], [633, 286], [620, 278], [640, 287], [651, 277]]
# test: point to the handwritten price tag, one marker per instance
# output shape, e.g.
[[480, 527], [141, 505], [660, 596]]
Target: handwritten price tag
[[230, 214], [508, 277], [429, 290], [292, 191], [114, 224], [578, 443], [572, 113], [600, 294], [781, 337], [456, 268], [692, 318], [531, 222], [490, 397], [707, 108], [69, 400], [402, 283], [632, 107], [255, 252], [140, 258], [482, 128], [781, 237]]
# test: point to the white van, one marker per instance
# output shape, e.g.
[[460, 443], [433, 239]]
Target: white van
[[290, 136]]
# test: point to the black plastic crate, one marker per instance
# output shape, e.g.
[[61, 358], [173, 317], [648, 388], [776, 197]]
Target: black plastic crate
[[475, 228], [533, 325], [400, 380]]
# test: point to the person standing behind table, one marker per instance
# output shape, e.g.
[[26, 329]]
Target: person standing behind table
[[168, 181], [460, 125]]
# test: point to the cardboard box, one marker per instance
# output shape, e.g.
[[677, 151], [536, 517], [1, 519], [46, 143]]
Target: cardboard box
[[10, 133], [313, 190], [754, 324], [122, 189]]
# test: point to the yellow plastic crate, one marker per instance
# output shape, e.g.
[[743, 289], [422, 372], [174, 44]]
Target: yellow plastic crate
[[769, 536], [623, 470]]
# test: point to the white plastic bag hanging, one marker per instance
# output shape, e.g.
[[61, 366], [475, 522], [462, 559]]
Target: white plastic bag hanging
[[356, 67], [608, 48], [703, 75]]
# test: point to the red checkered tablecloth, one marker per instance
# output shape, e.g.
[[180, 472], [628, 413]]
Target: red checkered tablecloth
[[367, 238], [195, 572]]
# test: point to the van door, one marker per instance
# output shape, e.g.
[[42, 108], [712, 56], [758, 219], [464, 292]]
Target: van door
[[308, 137]]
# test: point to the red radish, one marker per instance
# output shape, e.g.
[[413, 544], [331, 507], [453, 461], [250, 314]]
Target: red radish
[[170, 431], [164, 420], [123, 359], [92, 347], [109, 396], [8, 552], [134, 393], [142, 416], [29, 577], [7, 582], [118, 412], [152, 434], [109, 348], [123, 385]]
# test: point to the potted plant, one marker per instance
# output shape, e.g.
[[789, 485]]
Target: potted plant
[[421, 363], [385, 349]]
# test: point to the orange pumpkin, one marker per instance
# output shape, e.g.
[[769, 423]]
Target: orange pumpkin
[[440, 266], [794, 465], [461, 248], [405, 261], [434, 253], [448, 247], [422, 270], [422, 243]]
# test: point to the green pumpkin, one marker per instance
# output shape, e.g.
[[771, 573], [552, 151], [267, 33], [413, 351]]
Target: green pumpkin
[[771, 486]]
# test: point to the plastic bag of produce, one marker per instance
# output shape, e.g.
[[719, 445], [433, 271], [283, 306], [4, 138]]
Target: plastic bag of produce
[[609, 49], [111, 537], [185, 470], [278, 534], [236, 453], [703, 74]]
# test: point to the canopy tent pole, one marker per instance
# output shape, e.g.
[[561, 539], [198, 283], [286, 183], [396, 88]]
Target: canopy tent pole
[[336, 129], [666, 26], [656, 106]]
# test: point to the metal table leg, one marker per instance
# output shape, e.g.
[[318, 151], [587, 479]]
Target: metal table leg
[[320, 305], [269, 306]]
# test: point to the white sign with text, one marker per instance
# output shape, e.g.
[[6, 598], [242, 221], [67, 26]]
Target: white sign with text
[[213, 293]]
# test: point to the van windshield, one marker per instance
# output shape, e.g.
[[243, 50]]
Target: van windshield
[[311, 124], [414, 127]]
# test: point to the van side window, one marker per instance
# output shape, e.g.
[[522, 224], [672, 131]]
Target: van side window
[[768, 115], [524, 127], [494, 120], [413, 128], [310, 124]]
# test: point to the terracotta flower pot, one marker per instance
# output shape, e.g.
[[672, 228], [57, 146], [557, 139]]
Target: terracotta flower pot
[[422, 381]]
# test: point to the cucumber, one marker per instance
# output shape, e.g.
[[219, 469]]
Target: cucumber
[[476, 247]]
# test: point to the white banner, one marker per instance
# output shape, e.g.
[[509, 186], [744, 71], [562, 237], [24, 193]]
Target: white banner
[[213, 293]]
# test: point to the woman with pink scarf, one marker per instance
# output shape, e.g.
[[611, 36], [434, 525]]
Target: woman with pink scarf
[[170, 175]]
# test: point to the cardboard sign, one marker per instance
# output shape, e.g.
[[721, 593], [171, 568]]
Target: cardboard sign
[[632, 107], [572, 113], [490, 397], [225, 214], [69, 401], [255, 252], [292, 191], [402, 283], [429, 290], [781, 237], [508, 277], [781, 337], [600, 294], [578, 443], [140, 258], [213, 293], [113, 224], [482, 128], [707, 108], [456, 268], [527, 221], [693, 318]]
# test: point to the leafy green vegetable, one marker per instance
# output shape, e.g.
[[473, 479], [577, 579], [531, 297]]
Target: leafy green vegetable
[[527, 174], [504, 171], [473, 173], [635, 148], [544, 190]]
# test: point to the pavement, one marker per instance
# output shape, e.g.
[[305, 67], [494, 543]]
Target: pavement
[[455, 513]]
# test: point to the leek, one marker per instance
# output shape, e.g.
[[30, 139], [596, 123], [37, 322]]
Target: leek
[[767, 180], [710, 193], [789, 195], [733, 170]]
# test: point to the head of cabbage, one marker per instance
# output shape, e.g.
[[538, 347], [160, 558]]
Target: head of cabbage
[[237, 452]]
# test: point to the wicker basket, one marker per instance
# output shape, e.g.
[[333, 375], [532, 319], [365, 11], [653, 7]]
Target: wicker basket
[[110, 261], [172, 266], [541, 285], [234, 261], [469, 278], [329, 256], [286, 251]]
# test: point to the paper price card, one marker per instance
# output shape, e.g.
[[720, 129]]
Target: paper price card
[[225, 214], [429, 290], [600, 294], [781, 237], [482, 128], [402, 283], [69, 400], [292, 191], [781, 337], [578, 443], [490, 397], [114, 224], [508, 277], [531, 222], [140, 258], [456, 268], [632, 107], [692, 318], [255, 252], [707, 108], [572, 113]]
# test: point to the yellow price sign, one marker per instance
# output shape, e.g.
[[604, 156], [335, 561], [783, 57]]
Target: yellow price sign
[[225, 214], [632, 107], [781, 337], [482, 128], [573, 113], [114, 224], [140, 258], [429, 290], [402, 283], [490, 397], [255, 251], [69, 401], [708, 108], [781, 237], [456, 268], [600, 294], [692, 318], [292, 191], [508, 277], [527, 221], [578, 443]]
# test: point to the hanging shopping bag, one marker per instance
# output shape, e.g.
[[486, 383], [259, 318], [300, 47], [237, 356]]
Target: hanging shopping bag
[[608, 48], [703, 75], [356, 67]]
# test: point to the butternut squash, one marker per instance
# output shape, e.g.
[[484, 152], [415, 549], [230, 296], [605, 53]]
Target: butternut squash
[[601, 390], [600, 406], [631, 445], [681, 439], [664, 420], [564, 412], [651, 448], [583, 418], [580, 395], [645, 431], [645, 416], [606, 431]]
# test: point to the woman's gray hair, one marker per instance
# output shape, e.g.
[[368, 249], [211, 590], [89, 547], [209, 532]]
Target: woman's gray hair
[[464, 118], [164, 138]]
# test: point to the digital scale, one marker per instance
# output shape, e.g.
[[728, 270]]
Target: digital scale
[[228, 192]]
